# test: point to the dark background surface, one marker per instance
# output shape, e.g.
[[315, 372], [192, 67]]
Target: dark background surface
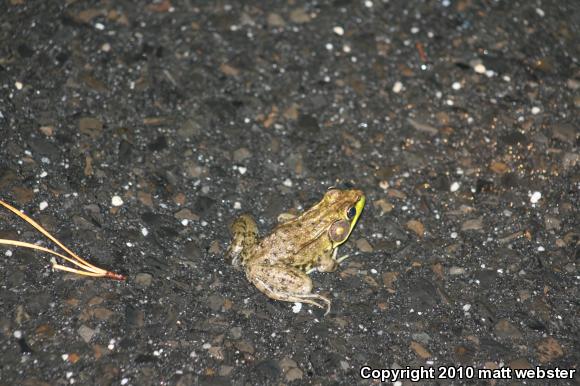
[[458, 119]]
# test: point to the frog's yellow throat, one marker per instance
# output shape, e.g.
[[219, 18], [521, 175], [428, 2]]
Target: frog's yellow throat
[[360, 204]]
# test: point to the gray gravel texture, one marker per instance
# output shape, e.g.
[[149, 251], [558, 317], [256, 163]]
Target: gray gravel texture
[[458, 119]]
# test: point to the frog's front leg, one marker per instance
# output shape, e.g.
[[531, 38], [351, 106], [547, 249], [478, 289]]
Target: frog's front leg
[[281, 282], [327, 262], [244, 237]]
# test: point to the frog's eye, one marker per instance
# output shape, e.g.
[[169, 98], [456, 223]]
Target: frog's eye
[[351, 213]]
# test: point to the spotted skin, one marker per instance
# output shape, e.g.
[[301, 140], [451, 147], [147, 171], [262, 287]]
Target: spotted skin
[[278, 264]]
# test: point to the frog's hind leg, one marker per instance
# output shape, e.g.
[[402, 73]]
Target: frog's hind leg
[[245, 235], [289, 284]]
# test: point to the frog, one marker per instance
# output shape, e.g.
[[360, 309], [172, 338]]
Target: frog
[[279, 264]]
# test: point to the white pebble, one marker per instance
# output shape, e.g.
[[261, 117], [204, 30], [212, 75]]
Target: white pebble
[[480, 68], [535, 197], [144, 231], [535, 110], [456, 86], [296, 307], [449, 102], [329, 46], [237, 205], [242, 170], [415, 30], [8, 253], [124, 381], [18, 85], [453, 235], [17, 334], [540, 12], [338, 30], [184, 222], [466, 307], [106, 47], [368, 4], [99, 26], [206, 346], [129, 244], [64, 357], [68, 374], [287, 182], [346, 49], [43, 174], [43, 205], [454, 186], [116, 201], [397, 87], [541, 249]]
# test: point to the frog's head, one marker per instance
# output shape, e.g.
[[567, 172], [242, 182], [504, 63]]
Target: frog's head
[[343, 209]]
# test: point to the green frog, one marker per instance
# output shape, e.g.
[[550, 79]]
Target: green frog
[[279, 264]]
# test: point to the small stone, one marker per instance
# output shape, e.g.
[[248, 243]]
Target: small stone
[[43, 205], [116, 201], [397, 194], [294, 374], [186, 214], [472, 225], [455, 271], [498, 167], [225, 370], [397, 87], [244, 346], [90, 126], [86, 333], [384, 205], [214, 248], [236, 332], [338, 30], [47, 130], [535, 197], [143, 279], [421, 351], [216, 353], [417, 227], [145, 198], [299, 16], [102, 313], [504, 329], [215, 302], [297, 307], [479, 68], [520, 364], [552, 223], [364, 246], [549, 349], [389, 279], [454, 186], [241, 154], [229, 70], [275, 20]]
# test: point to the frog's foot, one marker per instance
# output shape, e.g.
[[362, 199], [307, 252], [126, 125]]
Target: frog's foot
[[342, 258], [245, 236], [288, 284]]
